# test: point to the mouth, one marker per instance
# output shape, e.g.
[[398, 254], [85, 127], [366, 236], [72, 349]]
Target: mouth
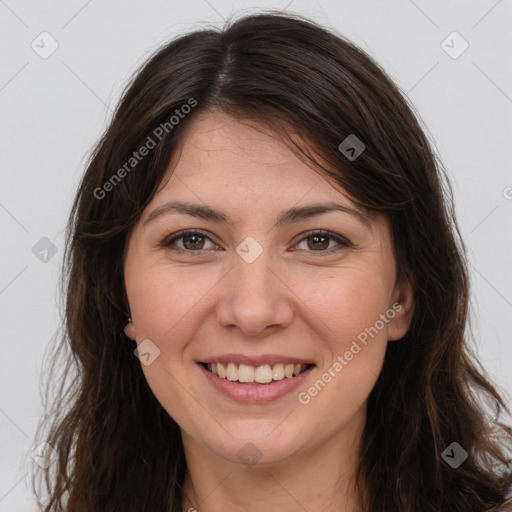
[[255, 379], [261, 375]]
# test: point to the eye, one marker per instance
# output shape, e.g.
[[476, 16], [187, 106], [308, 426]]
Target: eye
[[193, 241], [320, 240]]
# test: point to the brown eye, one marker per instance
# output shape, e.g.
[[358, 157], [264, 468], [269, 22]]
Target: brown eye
[[318, 241], [192, 241]]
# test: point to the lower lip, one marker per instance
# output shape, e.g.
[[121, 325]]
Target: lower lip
[[255, 393]]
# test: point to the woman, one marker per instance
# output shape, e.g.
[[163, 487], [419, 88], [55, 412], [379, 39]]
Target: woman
[[267, 295]]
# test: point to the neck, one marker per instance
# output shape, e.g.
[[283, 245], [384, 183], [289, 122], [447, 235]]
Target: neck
[[320, 478]]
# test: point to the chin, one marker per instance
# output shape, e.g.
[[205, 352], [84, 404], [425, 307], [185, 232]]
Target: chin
[[256, 443]]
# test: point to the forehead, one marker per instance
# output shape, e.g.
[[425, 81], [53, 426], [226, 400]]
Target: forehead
[[217, 151]]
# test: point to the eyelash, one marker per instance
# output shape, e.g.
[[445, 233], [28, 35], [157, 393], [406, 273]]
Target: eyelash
[[169, 240]]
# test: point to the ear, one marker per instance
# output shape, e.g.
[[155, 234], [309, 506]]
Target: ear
[[129, 330], [403, 304]]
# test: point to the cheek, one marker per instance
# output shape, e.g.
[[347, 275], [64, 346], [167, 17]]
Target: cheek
[[163, 303], [347, 303], [355, 342], [345, 312], [165, 308]]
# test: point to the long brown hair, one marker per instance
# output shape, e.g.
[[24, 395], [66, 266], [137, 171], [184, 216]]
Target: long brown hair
[[117, 448]]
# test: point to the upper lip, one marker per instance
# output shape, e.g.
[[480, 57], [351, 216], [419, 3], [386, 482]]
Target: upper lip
[[255, 360]]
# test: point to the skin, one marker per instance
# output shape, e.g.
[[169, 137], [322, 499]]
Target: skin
[[294, 299]]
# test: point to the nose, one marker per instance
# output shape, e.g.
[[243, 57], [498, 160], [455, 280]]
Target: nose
[[255, 297]]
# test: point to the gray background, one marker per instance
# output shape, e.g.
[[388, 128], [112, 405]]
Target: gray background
[[54, 109]]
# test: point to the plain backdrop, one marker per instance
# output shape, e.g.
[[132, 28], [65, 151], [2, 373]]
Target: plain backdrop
[[54, 107]]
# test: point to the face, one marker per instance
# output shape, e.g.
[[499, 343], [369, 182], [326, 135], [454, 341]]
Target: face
[[263, 293]]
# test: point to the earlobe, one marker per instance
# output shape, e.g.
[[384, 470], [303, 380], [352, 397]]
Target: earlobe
[[129, 330], [403, 306]]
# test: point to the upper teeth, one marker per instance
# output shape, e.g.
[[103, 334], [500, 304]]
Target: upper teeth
[[260, 374]]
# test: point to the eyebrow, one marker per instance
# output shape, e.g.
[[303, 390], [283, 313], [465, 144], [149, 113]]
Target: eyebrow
[[294, 214]]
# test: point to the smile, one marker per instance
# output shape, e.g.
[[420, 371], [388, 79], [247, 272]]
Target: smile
[[255, 380], [262, 374]]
